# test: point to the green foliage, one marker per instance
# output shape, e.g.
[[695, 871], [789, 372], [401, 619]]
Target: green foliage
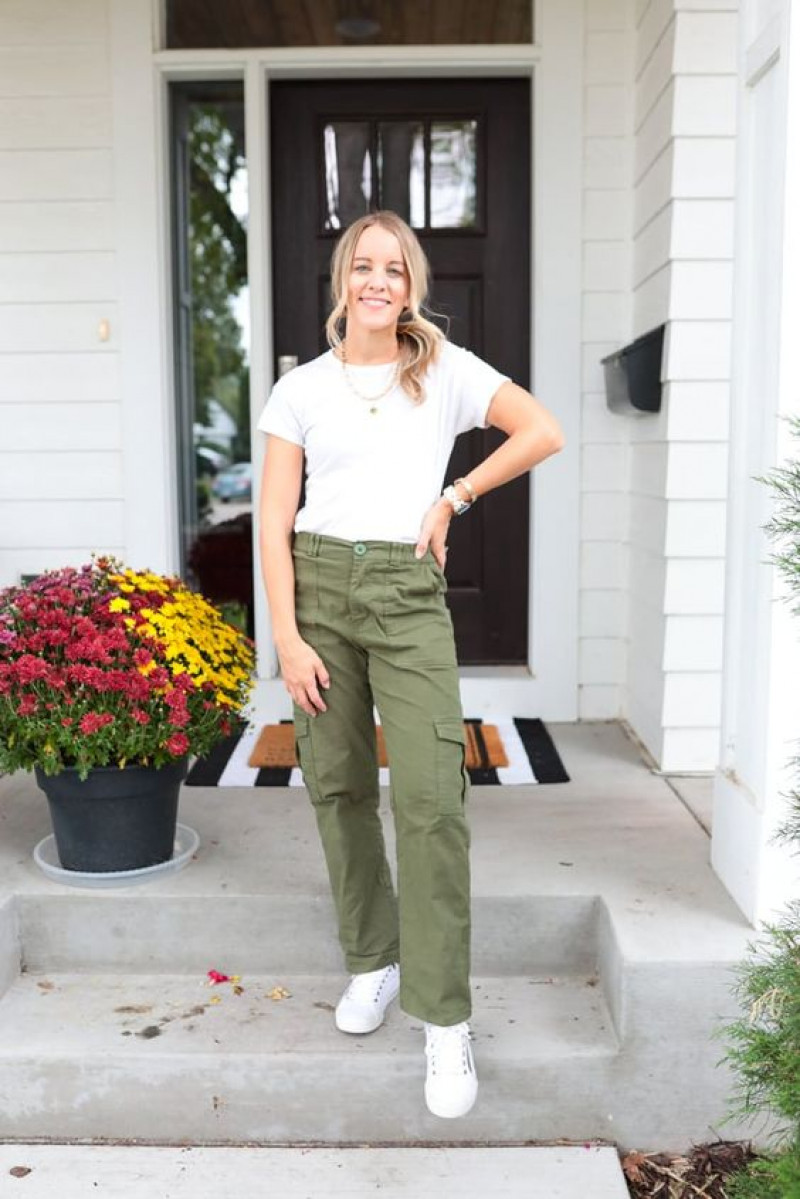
[[764, 1044], [768, 1178], [218, 250]]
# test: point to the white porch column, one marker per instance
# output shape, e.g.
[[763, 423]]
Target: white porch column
[[761, 682]]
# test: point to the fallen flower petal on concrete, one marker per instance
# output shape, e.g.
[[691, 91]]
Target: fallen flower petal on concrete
[[215, 977]]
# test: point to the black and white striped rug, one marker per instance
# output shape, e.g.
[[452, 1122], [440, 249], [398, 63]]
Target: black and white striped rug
[[532, 758]]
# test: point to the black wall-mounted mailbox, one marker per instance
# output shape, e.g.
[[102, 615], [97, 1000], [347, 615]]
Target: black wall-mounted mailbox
[[633, 374]]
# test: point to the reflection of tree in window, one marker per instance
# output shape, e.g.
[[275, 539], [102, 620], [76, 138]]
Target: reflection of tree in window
[[218, 257], [453, 174], [218, 544]]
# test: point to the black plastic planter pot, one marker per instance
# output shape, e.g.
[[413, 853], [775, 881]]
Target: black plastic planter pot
[[116, 819]]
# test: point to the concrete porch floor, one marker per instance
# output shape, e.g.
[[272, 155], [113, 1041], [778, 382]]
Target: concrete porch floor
[[601, 883]]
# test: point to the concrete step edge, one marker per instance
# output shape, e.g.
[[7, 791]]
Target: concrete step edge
[[446, 1172]]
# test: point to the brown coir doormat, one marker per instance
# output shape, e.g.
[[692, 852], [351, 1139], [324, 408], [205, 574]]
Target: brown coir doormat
[[275, 746], [512, 750]]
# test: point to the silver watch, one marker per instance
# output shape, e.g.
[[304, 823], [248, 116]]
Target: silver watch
[[458, 505]]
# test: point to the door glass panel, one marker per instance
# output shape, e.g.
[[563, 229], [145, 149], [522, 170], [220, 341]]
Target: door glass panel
[[193, 24], [454, 174], [348, 172], [401, 169], [212, 339]]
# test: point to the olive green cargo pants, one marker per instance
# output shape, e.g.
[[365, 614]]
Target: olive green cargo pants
[[378, 620]]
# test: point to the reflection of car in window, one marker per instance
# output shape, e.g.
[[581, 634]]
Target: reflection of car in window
[[234, 482]]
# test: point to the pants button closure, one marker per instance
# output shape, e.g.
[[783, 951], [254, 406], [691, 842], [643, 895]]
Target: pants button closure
[[360, 549]]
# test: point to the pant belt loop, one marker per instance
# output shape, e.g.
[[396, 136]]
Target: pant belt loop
[[314, 547]]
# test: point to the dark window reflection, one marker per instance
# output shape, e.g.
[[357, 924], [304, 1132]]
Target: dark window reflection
[[401, 169], [427, 171], [348, 172]]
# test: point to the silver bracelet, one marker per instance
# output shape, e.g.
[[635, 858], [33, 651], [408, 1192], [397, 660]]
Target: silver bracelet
[[470, 490]]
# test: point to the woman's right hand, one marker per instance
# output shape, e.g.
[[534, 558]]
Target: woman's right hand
[[303, 673]]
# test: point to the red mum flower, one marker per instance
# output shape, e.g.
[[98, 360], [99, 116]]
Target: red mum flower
[[27, 705], [27, 668], [91, 722], [178, 744], [139, 716]]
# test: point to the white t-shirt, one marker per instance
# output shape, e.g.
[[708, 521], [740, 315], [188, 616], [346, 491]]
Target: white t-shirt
[[374, 476]]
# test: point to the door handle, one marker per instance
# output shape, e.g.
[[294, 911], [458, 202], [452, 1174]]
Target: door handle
[[286, 363]]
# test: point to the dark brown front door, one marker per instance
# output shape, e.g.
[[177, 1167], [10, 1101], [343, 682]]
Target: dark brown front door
[[453, 158]]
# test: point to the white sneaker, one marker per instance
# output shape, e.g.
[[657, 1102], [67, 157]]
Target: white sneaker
[[451, 1084], [363, 1005]]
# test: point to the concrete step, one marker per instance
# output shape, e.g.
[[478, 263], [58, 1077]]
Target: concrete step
[[151, 1057], [131, 930], [606, 878], [79, 1171]]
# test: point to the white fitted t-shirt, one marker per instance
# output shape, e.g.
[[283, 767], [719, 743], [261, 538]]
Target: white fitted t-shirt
[[373, 477]]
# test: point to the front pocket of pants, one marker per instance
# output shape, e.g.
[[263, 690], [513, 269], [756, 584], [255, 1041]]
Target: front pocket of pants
[[412, 599], [304, 748], [451, 773]]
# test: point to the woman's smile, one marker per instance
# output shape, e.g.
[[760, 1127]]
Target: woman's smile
[[377, 290]]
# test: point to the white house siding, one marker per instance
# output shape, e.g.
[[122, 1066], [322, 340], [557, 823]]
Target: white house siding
[[605, 436], [685, 86], [60, 426]]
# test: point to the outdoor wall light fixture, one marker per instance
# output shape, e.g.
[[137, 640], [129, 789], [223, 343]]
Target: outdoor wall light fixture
[[633, 375]]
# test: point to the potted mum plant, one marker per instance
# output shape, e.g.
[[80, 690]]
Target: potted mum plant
[[110, 678]]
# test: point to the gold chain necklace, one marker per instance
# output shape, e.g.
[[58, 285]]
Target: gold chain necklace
[[370, 399]]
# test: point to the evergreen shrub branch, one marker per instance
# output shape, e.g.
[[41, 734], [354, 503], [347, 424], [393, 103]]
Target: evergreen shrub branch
[[764, 1044]]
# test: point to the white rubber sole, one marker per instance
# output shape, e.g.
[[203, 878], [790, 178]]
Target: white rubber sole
[[450, 1107]]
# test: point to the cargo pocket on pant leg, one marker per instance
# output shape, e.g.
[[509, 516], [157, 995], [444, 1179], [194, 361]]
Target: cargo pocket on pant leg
[[451, 772], [305, 753]]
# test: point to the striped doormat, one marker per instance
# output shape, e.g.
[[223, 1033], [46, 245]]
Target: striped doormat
[[512, 750]]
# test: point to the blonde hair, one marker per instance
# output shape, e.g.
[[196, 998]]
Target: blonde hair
[[419, 339]]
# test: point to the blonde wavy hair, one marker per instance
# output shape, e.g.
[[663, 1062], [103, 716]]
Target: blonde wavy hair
[[419, 339]]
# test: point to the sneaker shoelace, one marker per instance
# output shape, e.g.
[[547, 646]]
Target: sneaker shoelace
[[448, 1048], [367, 988]]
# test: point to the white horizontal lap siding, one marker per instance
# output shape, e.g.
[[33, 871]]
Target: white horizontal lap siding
[[652, 224], [603, 610], [61, 484], [685, 87]]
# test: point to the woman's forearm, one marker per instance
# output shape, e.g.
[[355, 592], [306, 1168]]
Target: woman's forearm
[[519, 453], [278, 571]]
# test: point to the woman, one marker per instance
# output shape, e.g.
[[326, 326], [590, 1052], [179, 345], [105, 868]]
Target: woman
[[355, 585]]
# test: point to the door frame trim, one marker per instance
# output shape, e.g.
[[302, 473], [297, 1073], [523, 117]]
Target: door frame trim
[[555, 66]]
